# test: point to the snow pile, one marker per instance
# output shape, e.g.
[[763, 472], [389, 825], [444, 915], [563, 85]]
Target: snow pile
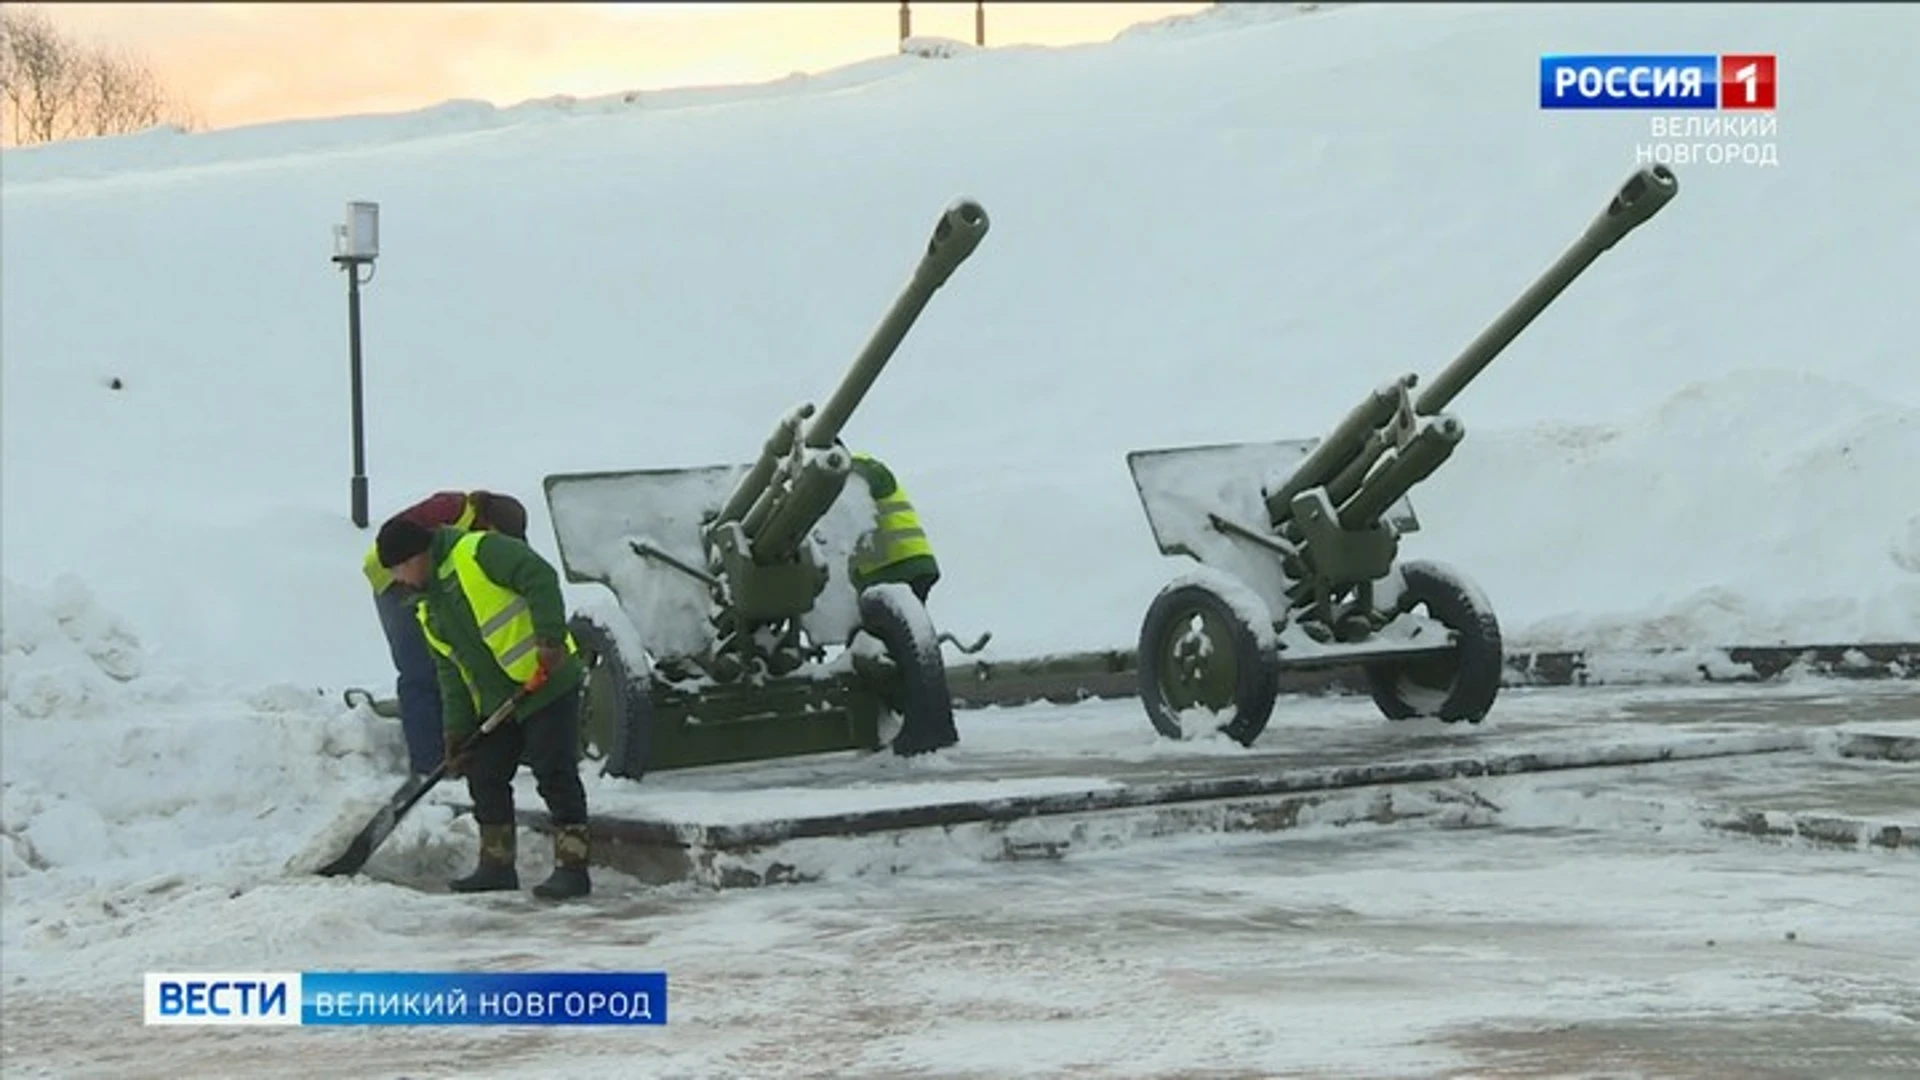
[[1767, 507], [63, 653], [117, 776]]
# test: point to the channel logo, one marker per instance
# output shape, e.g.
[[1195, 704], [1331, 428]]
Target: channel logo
[[1724, 81], [359, 998], [226, 998]]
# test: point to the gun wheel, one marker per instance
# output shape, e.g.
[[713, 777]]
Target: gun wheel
[[616, 714], [1203, 667], [1455, 687], [917, 689]]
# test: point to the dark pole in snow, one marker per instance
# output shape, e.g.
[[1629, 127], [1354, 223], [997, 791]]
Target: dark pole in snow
[[980, 23], [906, 23], [359, 425], [352, 266]]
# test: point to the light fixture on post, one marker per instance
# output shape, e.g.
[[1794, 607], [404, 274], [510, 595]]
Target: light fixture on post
[[356, 243]]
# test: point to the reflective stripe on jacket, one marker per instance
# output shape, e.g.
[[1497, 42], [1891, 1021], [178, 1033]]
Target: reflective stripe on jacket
[[504, 618], [896, 535]]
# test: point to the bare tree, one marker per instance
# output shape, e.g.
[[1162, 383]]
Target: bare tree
[[42, 76], [54, 87], [120, 95]]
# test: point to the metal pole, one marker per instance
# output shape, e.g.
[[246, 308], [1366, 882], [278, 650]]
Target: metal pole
[[980, 23], [906, 23], [359, 439]]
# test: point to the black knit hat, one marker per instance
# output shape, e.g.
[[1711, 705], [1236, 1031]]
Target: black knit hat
[[400, 540]]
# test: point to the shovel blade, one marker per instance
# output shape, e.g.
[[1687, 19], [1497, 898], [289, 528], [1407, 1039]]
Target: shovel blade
[[377, 830]]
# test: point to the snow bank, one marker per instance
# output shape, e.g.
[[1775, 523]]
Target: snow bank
[[1760, 508], [1223, 232], [62, 652], [124, 784], [1226, 16], [170, 148]]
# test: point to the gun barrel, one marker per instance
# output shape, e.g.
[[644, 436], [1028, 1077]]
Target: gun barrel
[[1425, 452], [958, 232], [1348, 480], [751, 486], [815, 486], [1642, 196], [1334, 451]]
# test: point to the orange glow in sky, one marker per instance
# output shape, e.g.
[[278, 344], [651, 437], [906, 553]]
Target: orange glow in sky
[[238, 64]]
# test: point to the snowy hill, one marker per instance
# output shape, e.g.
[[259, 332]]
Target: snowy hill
[[1222, 228], [1228, 228]]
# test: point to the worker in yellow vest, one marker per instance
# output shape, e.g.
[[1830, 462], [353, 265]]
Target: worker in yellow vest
[[415, 685], [492, 611], [896, 548]]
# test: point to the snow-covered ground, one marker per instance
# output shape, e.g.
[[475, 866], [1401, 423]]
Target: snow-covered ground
[[1554, 924], [1225, 229]]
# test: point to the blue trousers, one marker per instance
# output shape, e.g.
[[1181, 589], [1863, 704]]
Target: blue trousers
[[418, 686]]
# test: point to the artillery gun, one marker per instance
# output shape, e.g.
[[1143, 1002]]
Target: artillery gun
[[736, 632], [1298, 542]]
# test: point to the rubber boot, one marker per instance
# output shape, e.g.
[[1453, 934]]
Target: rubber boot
[[496, 872], [569, 878]]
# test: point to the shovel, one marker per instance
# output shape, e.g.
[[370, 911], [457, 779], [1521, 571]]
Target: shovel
[[411, 792]]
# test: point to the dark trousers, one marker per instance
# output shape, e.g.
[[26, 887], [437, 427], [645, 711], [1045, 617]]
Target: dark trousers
[[418, 687], [549, 742]]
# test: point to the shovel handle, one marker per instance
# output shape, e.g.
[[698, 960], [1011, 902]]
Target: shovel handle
[[501, 714], [498, 717]]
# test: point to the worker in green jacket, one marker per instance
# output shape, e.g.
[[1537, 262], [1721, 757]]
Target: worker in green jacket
[[896, 548], [493, 614]]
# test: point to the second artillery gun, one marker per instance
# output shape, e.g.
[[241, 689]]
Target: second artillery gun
[[1298, 542], [736, 633]]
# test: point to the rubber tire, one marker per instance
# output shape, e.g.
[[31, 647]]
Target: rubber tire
[[1479, 661], [631, 735], [898, 620], [1257, 677]]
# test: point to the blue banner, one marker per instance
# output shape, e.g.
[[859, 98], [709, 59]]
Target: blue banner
[[1629, 82], [532, 997]]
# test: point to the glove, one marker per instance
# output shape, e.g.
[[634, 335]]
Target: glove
[[455, 759], [552, 658]]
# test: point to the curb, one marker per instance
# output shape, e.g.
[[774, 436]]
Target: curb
[[787, 849], [1065, 678], [1071, 677], [763, 852]]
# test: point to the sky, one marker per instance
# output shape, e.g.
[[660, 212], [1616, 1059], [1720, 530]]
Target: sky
[[237, 64]]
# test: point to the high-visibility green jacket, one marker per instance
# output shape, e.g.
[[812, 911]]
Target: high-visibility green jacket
[[896, 549], [492, 600]]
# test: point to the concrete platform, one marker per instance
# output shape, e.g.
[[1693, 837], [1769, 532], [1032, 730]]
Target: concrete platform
[[1817, 762], [1894, 741]]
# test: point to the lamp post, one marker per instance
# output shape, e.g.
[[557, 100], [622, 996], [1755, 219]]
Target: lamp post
[[980, 23], [906, 22], [356, 243]]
